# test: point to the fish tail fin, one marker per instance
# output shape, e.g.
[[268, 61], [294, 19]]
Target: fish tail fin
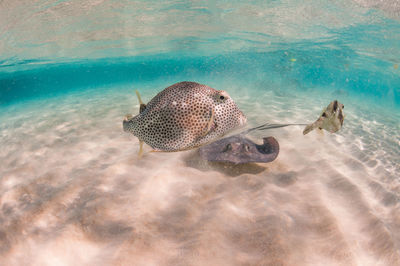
[[142, 105]]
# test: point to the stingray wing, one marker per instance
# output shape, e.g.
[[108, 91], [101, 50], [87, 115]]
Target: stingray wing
[[310, 127]]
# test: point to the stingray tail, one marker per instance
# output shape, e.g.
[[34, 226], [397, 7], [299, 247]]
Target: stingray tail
[[269, 126]]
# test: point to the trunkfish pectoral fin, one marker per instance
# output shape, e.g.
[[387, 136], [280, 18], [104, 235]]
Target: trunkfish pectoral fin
[[210, 123]]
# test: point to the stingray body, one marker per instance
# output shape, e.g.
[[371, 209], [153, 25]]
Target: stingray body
[[239, 150], [331, 119], [184, 116]]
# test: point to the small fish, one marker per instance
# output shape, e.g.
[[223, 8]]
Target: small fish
[[239, 150], [183, 116], [331, 119]]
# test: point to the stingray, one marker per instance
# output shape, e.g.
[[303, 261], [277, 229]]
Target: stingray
[[238, 149]]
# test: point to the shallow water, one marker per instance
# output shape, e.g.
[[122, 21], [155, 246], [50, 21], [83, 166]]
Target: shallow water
[[73, 191]]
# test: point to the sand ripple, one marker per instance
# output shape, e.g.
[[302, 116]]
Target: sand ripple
[[74, 193]]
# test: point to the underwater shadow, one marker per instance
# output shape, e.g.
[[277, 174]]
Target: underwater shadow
[[194, 160]]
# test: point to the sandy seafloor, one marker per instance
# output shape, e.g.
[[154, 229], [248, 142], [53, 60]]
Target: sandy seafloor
[[73, 191]]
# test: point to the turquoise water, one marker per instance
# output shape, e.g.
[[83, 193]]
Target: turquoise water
[[74, 192]]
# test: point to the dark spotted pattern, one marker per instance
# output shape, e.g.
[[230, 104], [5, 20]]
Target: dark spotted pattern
[[178, 118]]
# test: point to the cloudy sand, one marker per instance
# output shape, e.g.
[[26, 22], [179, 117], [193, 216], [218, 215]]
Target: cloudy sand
[[73, 191]]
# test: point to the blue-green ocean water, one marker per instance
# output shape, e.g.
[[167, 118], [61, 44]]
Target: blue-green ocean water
[[338, 46], [74, 192]]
